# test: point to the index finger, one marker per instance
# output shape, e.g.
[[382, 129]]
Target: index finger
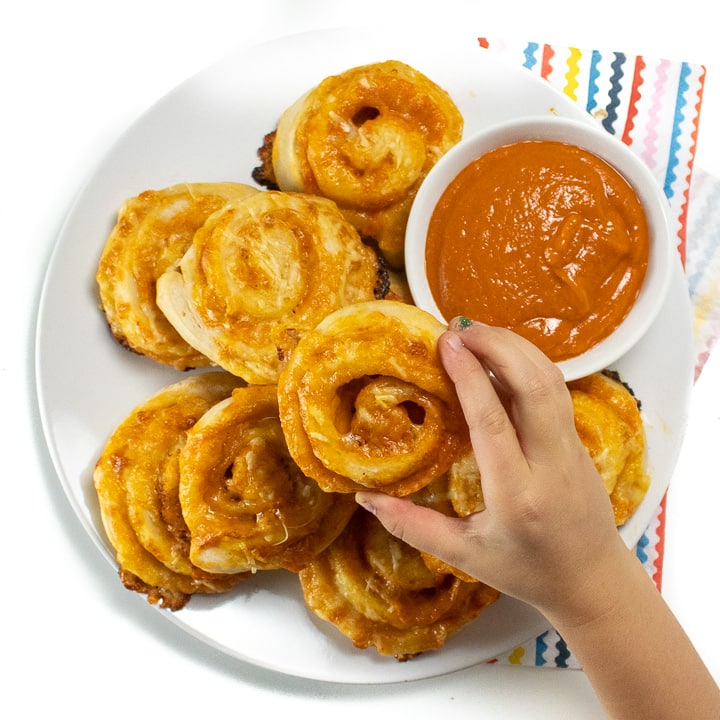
[[492, 432]]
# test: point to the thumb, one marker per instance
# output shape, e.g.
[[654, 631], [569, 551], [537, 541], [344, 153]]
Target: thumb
[[423, 528]]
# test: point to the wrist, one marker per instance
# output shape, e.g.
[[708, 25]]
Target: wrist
[[596, 592]]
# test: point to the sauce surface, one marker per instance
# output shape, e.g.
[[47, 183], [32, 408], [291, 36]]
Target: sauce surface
[[541, 237]]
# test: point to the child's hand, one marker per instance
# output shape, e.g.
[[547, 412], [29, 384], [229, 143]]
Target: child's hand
[[548, 532]]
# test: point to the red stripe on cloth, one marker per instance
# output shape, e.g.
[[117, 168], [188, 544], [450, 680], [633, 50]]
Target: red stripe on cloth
[[660, 547], [546, 67], [637, 81]]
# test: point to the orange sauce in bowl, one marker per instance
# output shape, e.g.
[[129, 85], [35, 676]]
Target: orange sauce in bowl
[[541, 237]]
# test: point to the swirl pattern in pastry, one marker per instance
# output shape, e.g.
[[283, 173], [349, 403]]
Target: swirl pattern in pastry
[[378, 592], [153, 231], [365, 402], [246, 503], [137, 479], [261, 272], [366, 138], [609, 423]]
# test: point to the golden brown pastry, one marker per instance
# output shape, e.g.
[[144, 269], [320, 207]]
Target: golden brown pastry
[[136, 479], [261, 272], [365, 403], [247, 504], [609, 423], [366, 138], [152, 232], [379, 593]]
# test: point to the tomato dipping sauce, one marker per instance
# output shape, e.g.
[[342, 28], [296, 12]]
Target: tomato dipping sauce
[[541, 237]]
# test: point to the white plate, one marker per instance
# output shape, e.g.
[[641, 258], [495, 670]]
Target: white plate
[[209, 129]]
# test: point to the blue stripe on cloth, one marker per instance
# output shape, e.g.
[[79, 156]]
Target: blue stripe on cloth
[[541, 649], [530, 58], [614, 94], [563, 654], [592, 81], [678, 117], [703, 222]]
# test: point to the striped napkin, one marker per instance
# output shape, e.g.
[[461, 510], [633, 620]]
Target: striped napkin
[[653, 105]]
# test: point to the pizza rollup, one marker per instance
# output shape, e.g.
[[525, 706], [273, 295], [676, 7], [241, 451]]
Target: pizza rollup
[[366, 404], [377, 591], [153, 231], [366, 138], [137, 483], [247, 504], [259, 274]]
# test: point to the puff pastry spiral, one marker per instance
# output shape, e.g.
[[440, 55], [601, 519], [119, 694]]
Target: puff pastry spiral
[[609, 423], [366, 138], [365, 403], [261, 272], [137, 481], [153, 231], [378, 592], [246, 503]]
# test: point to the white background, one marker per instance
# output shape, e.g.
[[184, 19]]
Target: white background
[[73, 75]]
